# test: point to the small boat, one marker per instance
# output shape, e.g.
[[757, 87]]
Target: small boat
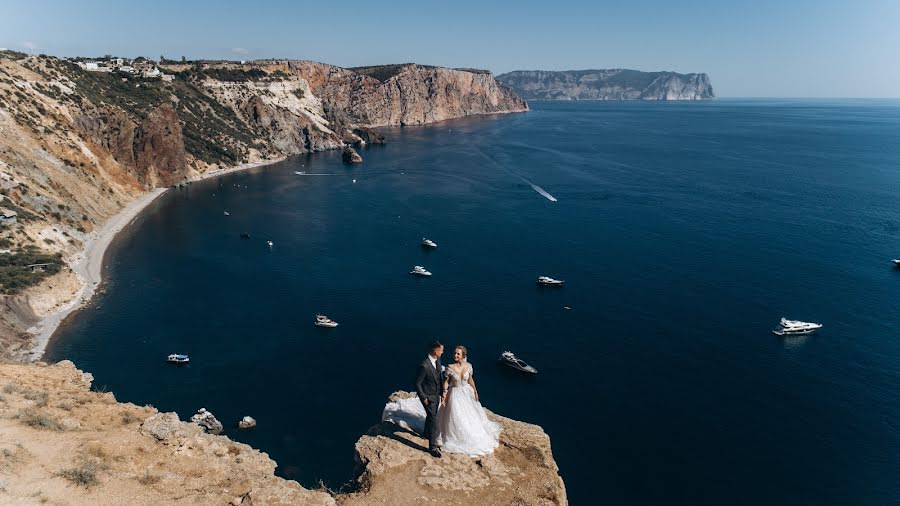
[[299, 172], [428, 243], [177, 358], [795, 327], [227, 213], [324, 321], [896, 262], [548, 281], [270, 243], [509, 358], [418, 270], [245, 235]]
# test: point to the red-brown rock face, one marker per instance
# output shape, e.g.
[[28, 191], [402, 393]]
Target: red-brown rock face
[[408, 94], [159, 149]]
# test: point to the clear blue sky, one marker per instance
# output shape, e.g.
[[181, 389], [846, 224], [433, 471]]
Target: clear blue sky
[[803, 48]]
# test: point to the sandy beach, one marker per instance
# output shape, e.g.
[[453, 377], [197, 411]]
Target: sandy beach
[[88, 264]]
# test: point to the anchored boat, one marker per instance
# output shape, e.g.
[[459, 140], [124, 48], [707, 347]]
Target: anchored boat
[[418, 270], [324, 321], [177, 358], [795, 327], [548, 281], [509, 358]]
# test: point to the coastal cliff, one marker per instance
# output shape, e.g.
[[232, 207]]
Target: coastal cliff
[[614, 84], [77, 146], [66, 444], [408, 94]]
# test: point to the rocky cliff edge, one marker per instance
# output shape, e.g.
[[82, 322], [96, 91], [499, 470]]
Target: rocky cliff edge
[[393, 468], [65, 444]]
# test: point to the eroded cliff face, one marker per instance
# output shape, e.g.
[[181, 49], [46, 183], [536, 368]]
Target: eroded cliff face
[[615, 84], [408, 94]]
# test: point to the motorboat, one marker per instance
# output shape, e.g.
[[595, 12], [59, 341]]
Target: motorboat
[[896, 262], [428, 243], [270, 243], [245, 235], [227, 213], [177, 358], [548, 281], [795, 327], [418, 270], [324, 321], [509, 358]]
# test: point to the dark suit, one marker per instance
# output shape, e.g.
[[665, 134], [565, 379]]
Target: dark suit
[[429, 385]]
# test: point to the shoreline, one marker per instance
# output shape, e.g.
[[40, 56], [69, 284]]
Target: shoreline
[[88, 263]]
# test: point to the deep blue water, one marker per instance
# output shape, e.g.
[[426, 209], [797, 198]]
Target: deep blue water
[[683, 231]]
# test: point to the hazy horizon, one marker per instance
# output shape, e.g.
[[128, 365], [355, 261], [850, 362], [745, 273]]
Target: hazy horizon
[[829, 49]]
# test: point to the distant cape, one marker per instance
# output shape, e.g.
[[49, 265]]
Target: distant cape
[[607, 84]]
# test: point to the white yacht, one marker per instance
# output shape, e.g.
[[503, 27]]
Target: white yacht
[[897, 262], [270, 243], [324, 321], [178, 358], [418, 270], [509, 358], [227, 213], [548, 281], [795, 327], [428, 243]]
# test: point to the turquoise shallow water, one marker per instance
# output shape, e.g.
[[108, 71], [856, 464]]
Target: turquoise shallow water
[[684, 232]]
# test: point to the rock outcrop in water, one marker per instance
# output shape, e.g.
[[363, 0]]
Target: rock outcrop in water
[[350, 156], [65, 444], [615, 84]]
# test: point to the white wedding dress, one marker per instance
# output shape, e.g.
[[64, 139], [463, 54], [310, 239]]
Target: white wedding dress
[[462, 424]]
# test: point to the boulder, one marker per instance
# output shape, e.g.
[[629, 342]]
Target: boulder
[[162, 426], [207, 421], [350, 156], [248, 422]]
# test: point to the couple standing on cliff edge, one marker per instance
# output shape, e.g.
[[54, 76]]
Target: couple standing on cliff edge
[[455, 421]]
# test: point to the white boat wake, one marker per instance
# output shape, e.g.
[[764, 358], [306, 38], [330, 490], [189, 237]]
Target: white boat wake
[[540, 190]]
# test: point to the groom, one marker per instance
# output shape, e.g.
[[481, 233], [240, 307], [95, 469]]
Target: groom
[[429, 382]]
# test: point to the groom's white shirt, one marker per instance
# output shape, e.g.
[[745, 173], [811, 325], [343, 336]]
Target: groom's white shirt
[[433, 361]]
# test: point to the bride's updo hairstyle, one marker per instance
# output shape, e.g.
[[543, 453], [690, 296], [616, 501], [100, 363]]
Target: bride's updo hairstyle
[[464, 351]]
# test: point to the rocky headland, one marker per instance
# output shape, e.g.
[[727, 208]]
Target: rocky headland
[[78, 145], [609, 84], [66, 444]]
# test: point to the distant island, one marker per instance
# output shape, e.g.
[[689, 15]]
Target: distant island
[[608, 84]]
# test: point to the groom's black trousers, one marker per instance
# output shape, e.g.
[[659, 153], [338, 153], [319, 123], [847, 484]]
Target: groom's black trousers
[[431, 411]]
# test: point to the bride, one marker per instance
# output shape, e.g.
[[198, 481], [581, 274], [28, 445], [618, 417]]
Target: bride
[[463, 426]]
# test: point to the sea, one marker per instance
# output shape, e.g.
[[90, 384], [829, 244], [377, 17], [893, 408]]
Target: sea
[[683, 231]]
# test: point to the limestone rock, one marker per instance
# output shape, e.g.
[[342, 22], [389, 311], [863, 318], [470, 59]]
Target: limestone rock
[[165, 426], [408, 94], [166, 461], [207, 421], [614, 84], [350, 156], [248, 422], [393, 466]]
